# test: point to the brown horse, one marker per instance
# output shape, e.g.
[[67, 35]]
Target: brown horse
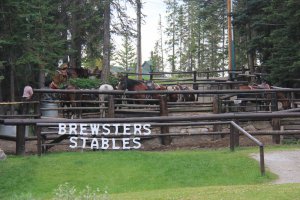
[[60, 81], [61, 76], [133, 85], [268, 96], [184, 97], [154, 86]]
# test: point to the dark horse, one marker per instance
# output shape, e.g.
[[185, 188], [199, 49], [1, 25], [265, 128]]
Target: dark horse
[[268, 96], [133, 85]]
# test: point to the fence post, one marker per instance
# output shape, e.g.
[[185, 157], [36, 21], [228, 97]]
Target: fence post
[[232, 131], [207, 74], [216, 110], [195, 85], [274, 102], [166, 140], [236, 135], [20, 140], [39, 140], [151, 76], [293, 100], [111, 107], [262, 160], [276, 126]]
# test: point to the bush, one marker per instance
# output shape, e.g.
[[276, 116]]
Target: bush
[[68, 192], [86, 83]]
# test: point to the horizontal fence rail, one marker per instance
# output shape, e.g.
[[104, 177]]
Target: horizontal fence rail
[[124, 92]]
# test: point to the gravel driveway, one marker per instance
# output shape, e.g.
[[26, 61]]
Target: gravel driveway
[[286, 164]]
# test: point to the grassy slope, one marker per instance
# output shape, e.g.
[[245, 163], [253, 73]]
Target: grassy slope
[[122, 172]]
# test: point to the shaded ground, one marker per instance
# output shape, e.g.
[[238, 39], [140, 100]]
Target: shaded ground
[[286, 164]]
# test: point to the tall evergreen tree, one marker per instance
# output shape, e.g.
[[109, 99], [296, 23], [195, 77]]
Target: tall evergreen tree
[[271, 29], [126, 56], [172, 31]]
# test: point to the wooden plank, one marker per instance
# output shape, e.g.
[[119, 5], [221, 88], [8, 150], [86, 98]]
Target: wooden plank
[[20, 140]]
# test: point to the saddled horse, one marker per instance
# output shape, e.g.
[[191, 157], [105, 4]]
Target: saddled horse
[[133, 85], [154, 86], [184, 97], [268, 96], [173, 97], [73, 72], [60, 81]]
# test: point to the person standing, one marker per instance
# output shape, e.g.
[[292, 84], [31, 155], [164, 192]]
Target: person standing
[[26, 98]]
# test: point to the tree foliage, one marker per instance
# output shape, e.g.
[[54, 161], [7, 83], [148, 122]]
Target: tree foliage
[[194, 34], [274, 27]]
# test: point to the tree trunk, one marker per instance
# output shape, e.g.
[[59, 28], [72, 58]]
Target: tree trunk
[[139, 40], [251, 56], [42, 76], [106, 43], [76, 42]]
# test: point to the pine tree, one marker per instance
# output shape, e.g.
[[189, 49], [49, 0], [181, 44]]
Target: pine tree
[[126, 57], [172, 32], [272, 32]]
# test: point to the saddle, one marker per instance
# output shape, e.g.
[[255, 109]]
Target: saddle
[[260, 86]]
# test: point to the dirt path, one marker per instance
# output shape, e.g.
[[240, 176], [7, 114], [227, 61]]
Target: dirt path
[[286, 164]]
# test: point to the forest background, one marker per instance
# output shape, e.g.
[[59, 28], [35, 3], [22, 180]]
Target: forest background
[[36, 34]]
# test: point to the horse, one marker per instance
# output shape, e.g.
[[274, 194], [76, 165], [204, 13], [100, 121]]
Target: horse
[[77, 72], [173, 97], [60, 81], [154, 86], [104, 97], [59, 77], [133, 85], [186, 96], [264, 86], [180, 97]]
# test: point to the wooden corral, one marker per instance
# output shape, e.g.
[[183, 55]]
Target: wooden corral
[[213, 96]]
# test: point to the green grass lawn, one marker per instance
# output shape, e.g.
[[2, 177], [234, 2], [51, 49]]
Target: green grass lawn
[[240, 192], [128, 172]]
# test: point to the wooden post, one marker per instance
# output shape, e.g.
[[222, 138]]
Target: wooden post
[[166, 140], [262, 160], [274, 102], [236, 135], [39, 140], [216, 105], [231, 137], [207, 74], [111, 107], [151, 76], [20, 140], [216, 110], [195, 85], [276, 126], [293, 100]]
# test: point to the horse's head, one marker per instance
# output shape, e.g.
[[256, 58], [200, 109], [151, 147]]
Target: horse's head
[[172, 97], [121, 85], [58, 78], [286, 104]]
